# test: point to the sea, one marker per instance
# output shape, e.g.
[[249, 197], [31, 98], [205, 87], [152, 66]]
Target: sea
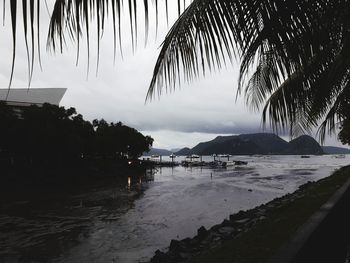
[[130, 222]]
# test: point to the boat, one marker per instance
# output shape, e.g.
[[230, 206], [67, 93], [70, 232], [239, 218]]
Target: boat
[[228, 163], [172, 155], [191, 157], [192, 160], [305, 156], [192, 163], [240, 163], [340, 156], [216, 164]]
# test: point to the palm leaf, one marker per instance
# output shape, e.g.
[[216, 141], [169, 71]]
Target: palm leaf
[[69, 20], [292, 44]]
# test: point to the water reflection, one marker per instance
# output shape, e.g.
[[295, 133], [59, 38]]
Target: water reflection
[[128, 222], [129, 183], [40, 229]]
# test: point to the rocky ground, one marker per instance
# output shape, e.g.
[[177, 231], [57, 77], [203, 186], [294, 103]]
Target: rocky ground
[[208, 239]]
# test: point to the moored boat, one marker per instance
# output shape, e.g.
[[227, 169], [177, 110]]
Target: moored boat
[[339, 156]]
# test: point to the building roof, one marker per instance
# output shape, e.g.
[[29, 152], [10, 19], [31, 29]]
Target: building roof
[[32, 96]]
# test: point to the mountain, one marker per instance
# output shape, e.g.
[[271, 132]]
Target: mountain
[[174, 150], [335, 150], [304, 145], [155, 151], [184, 151], [228, 145], [270, 143], [258, 143]]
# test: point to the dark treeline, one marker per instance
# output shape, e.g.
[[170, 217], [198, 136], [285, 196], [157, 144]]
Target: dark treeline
[[52, 136]]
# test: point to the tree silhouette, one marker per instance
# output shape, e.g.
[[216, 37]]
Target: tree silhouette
[[53, 136]]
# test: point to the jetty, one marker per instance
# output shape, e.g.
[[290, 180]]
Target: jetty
[[194, 161]]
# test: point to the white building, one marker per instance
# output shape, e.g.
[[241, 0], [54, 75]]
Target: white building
[[33, 96]]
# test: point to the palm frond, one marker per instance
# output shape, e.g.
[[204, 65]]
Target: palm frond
[[70, 19], [199, 40], [293, 45], [30, 10]]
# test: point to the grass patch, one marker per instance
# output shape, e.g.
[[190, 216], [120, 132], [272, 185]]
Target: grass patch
[[259, 243]]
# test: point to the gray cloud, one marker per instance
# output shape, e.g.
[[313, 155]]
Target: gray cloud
[[196, 111]]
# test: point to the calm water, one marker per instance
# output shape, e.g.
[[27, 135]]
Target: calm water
[[128, 223]]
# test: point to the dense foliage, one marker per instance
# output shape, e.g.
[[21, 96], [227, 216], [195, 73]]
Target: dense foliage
[[344, 134], [55, 135]]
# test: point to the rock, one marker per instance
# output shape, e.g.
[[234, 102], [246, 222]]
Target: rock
[[214, 234], [216, 243], [261, 211], [184, 255], [205, 242], [262, 217], [215, 228], [175, 245], [306, 185], [240, 215], [242, 221], [202, 232], [226, 230], [226, 223], [217, 239], [271, 205], [158, 257], [186, 241], [193, 242]]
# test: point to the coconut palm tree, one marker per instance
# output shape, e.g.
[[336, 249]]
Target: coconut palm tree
[[294, 54]]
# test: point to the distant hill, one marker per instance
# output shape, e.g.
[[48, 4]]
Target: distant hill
[[304, 145], [155, 151], [174, 150], [268, 142], [228, 145], [258, 143], [184, 151], [335, 150]]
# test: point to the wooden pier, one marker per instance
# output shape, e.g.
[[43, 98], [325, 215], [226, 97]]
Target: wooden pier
[[192, 161]]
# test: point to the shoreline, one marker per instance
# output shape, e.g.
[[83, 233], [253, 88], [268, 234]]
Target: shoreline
[[208, 242]]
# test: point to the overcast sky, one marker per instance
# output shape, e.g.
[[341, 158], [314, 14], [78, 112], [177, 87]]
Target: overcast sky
[[196, 112]]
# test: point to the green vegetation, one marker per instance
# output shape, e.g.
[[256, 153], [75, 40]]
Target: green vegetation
[[259, 243], [52, 136]]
